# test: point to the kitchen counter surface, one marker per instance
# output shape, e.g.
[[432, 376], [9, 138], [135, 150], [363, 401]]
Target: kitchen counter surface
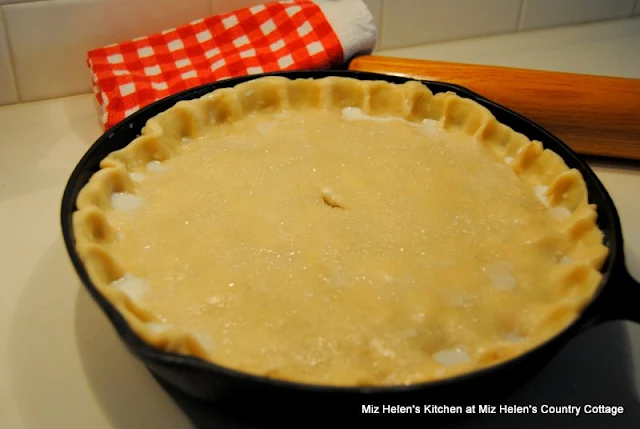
[[61, 364]]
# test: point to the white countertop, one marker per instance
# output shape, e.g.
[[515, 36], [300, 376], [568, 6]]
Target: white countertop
[[61, 364]]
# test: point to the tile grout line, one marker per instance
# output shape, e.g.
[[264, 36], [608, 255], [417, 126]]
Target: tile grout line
[[11, 55], [382, 6], [521, 15]]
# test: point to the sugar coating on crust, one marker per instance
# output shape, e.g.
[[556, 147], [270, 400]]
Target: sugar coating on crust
[[325, 231]]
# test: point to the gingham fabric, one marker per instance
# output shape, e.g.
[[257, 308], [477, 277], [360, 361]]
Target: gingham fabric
[[282, 35]]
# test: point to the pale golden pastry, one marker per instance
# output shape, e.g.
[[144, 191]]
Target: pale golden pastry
[[341, 232]]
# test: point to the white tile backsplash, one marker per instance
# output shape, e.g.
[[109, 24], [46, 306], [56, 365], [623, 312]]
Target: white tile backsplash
[[7, 83], [411, 22], [549, 13], [222, 6], [50, 39]]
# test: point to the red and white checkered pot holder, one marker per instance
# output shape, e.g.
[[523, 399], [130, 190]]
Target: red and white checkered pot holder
[[282, 35]]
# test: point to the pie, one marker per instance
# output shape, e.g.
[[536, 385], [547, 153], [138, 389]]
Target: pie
[[339, 232]]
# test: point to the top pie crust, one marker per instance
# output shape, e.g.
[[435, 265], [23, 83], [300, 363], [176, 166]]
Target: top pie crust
[[338, 231]]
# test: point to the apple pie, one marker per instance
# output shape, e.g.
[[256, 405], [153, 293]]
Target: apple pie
[[339, 232]]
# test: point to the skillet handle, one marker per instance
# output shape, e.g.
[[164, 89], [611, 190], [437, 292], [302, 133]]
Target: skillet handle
[[623, 300]]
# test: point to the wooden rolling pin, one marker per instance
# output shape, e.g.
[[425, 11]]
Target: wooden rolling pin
[[594, 115]]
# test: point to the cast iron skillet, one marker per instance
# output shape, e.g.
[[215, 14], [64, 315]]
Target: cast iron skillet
[[618, 296]]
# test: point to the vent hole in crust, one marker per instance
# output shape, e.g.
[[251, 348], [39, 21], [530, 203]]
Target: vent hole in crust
[[331, 199]]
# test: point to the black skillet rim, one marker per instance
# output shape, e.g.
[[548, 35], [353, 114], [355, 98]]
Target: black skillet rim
[[149, 355]]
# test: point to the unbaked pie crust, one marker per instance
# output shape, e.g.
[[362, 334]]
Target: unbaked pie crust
[[339, 232]]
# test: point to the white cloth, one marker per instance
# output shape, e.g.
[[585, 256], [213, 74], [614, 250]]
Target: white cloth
[[353, 23]]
